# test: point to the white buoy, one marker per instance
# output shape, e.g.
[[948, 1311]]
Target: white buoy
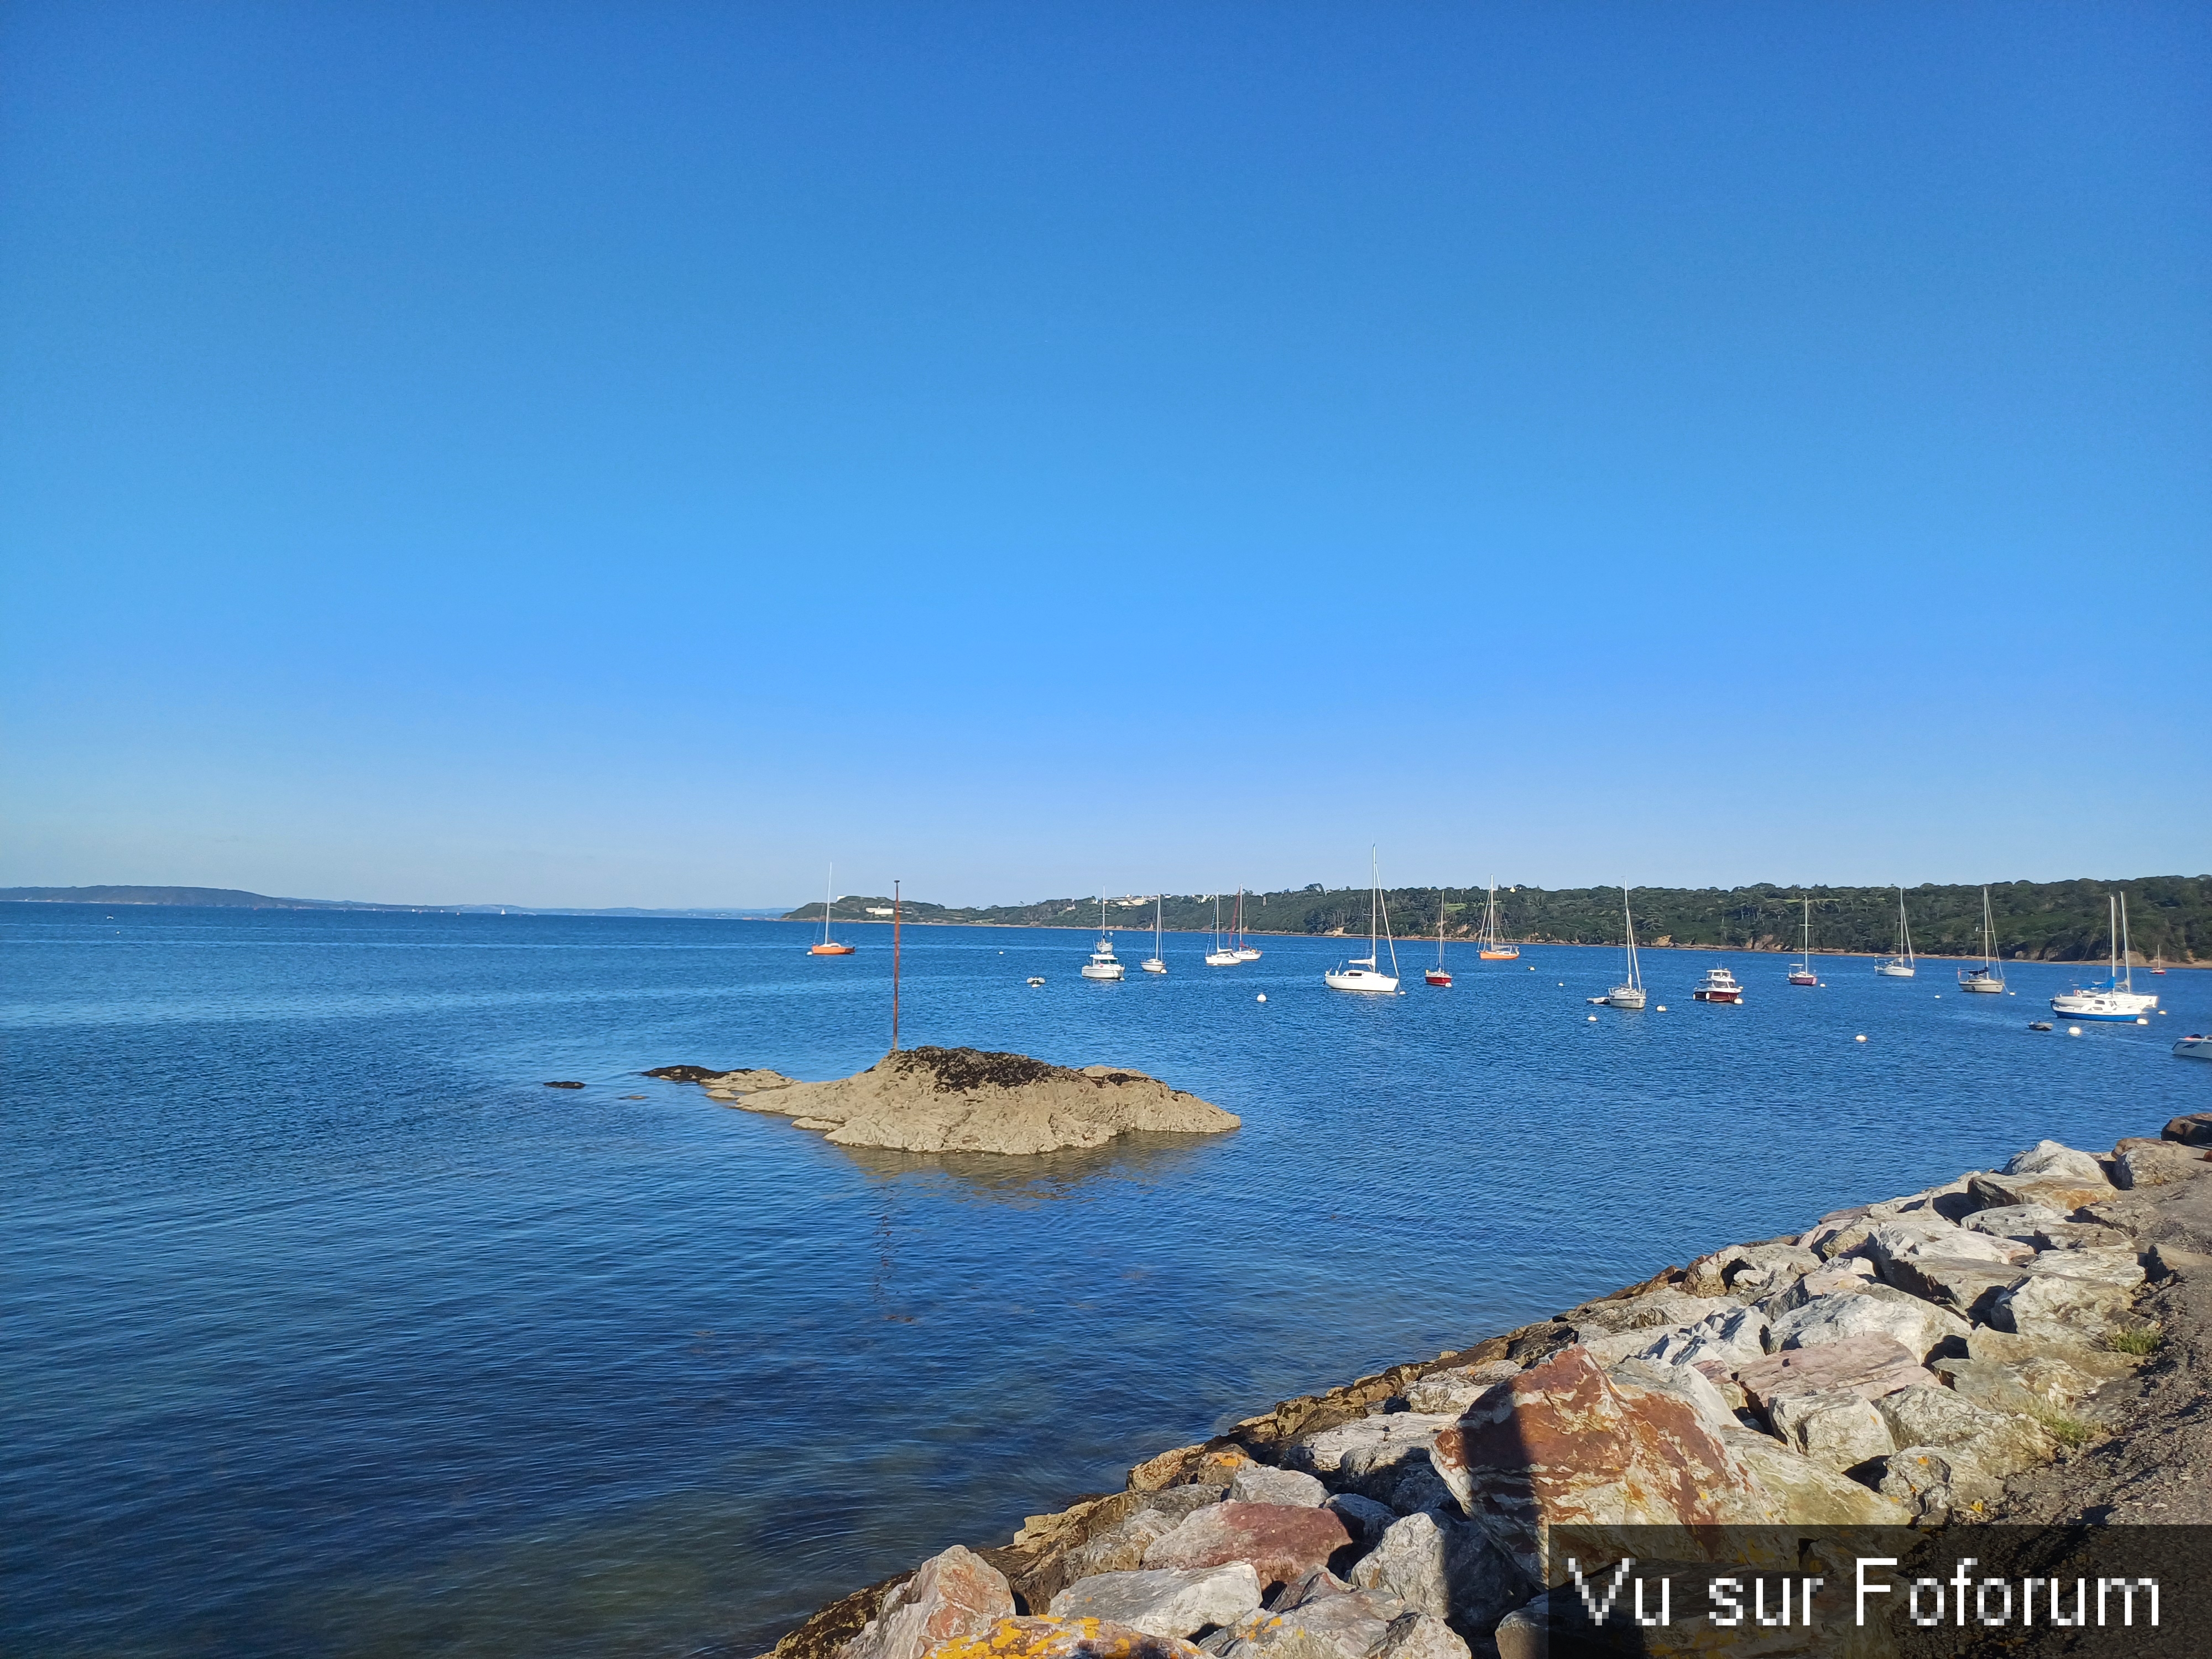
[[1662, 1008], [2142, 1022], [1262, 997], [2073, 1031], [1592, 1019], [1860, 1038]]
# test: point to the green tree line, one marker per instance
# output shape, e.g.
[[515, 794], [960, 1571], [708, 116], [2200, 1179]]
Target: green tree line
[[2168, 917]]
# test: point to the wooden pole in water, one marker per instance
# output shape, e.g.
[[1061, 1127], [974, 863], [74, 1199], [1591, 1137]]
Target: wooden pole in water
[[895, 965]]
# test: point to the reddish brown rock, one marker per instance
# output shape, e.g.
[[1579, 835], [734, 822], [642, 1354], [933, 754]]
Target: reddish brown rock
[[1068, 1639], [951, 1597], [2195, 1130], [1871, 1366], [1562, 1444], [1282, 1541]]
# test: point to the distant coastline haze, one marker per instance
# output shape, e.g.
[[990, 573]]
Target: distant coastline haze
[[593, 458]]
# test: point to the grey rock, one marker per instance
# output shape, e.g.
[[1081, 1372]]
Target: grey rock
[[1179, 1501], [1838, 1428], [1807, 1493], [1967, 1286], [955, 1595], [1256, 1483], [1923, 1327], [1653, 1310], [1441, 1566], [1843, 1273], [2017, 1221], [1417, 1635], [1449, 1393], [2158, 1163], [1933, 1483], [2080, 1235], [1681, 1380], [2050, 1158], [1732, 1338], [2119, 1266], [1318, 1617], [1164, 1602], [2045, 1383], [2000, 1442], [2010, 1348], [2062, 1311], [1366, 1444], [1365, 1518], [1119, 1547]]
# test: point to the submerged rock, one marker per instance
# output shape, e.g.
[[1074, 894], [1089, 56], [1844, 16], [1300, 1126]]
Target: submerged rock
[[966, 1100]]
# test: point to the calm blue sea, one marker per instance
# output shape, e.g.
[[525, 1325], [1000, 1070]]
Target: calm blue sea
[[330, 1331]]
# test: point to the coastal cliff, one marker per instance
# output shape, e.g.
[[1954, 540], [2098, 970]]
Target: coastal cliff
[[969, 1100], [2027, 1344]]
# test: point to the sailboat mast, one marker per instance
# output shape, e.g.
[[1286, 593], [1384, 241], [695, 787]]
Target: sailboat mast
[[2127, 957], [828, 898]]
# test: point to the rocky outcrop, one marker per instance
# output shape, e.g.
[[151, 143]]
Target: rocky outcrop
[[966, 1100], [1917, 1360]]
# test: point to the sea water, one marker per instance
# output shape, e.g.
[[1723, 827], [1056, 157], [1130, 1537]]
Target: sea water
[[332, 1331]]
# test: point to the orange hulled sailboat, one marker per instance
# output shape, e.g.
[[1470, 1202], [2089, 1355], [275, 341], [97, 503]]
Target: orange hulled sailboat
[[1493, 946], [829, 947]]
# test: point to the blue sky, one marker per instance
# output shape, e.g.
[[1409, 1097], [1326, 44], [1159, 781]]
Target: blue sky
[[612, 454]]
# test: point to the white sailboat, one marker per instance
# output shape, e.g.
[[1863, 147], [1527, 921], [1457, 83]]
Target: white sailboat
[[1154, 963], [2114, 998], [1365, 973], [1243, 946], [1901, 965], [1491, 945], [1630, 994], [1220, 956], [1801, 971], [1988, 977], [1103, 964], [1439, 975]]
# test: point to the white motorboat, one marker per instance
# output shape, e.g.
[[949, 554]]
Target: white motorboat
[[2114, 998], [1103, 964], [1629, 994], [1901, 965], [2195, 1046], [1154, 963], [1718, 986], [1989, 978], [1365, 973], [1801, 971], [1220, 956]]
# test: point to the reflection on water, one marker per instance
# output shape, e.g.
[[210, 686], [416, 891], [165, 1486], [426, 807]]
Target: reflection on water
[[332, 1332]]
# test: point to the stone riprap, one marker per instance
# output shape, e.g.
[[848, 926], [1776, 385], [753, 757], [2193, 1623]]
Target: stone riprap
[[1917, 1361], [966, 1100]]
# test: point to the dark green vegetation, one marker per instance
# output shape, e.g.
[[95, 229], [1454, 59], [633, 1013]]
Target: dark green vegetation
[[234, 898], [2037, 921]]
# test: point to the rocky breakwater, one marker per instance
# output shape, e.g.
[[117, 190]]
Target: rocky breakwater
[[1930, 1358], [968, 1100]]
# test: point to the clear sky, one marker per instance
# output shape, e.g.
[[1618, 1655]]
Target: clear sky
[[632, 454]]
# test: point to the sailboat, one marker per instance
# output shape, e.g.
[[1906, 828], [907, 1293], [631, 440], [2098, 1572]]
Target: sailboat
[[1365, 973], [1901, 965], [1220, 956], [1437, 975], [1988, 977], [2113, 999], [1155, 963], [1103, 964], [1629, 995], [1801, 971], [829, 947], [1243, 948], [1491, 945]]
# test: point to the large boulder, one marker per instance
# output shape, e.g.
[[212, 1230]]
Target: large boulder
[[1933, 1485], [2065, 1194], [1320, 1617], [2000, 1443], [2062, 1311], [1256, 1483], [1843, 1272], [1385, 1458], [1119, 1547], [1163, 1602], [1839, 1428], [1968, 1285], [1065, 1638], [1362, 1517], [951, 1597], [2010, 1348], [2157, 1163], [1806, 1493], [1443, 1566], [2194, 1130], [2014, 1221], [2043, 1384], [1731, 1339], [1921, 1326], [2050, 1158], [1564, 1445], [1448, 1393], [1869, 1366], [2120, 1268], [1747, 1272], [1684, 1380], [1281, 1541]]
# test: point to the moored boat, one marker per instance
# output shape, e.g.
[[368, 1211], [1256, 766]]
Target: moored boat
[[1155, 963], [1629, 994], [1801, 971], [1242, 948], [1365, 973], [1492, 945], [1989, 978], [1220, 956], [829, 947], [1438, 974], [1718, 986], [2195, 1046], [2114, 998], [1103, 964], [1901, 965]]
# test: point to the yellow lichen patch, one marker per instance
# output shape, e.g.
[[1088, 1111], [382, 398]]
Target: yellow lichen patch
[[1065, 1638]]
